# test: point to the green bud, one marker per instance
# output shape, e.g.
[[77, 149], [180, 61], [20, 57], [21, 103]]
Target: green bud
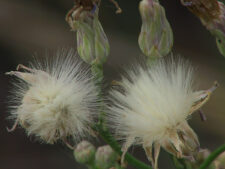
[[156, 36], [105, 157], [220, 161], [200, 157], [84, 152], [92, 43]]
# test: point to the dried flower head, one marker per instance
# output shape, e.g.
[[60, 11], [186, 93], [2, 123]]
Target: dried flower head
[[54, 101], [212, 15], [153, 108]]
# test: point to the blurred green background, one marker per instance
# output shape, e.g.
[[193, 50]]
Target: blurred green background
[[36, 26]]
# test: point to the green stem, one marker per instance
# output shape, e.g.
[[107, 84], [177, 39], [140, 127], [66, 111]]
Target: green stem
[[177, 163], [92, 167], [212, 157], [97, 71], [107, 137]]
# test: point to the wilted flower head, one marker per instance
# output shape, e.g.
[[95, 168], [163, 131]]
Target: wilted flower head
[[153, 108], [54, 100], [212, 15]]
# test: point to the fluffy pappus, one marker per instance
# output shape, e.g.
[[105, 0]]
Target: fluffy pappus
[[153, 107], [54, 99]]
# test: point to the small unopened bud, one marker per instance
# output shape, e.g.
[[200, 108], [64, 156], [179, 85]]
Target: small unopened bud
[[156, 36], [84, 152], [200, 157], [105, 157], [220, 161], [92, 43]]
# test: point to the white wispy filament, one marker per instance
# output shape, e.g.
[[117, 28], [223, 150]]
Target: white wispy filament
[[153, 107], [54, 100]]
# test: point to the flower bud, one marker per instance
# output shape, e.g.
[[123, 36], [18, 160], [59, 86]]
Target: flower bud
[[156, 36], [200, 157], [84, 152], [105, 157], [220, 161], [92, 43]]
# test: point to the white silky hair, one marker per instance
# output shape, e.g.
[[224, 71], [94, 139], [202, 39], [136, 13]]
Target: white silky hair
[[60, 103], [153, 101]]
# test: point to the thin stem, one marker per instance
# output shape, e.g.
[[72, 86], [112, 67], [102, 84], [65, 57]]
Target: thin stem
[[92, 166], [212, 157], [177, 164], [100, 127]]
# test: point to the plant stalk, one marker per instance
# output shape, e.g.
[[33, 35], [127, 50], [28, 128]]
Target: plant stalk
[[102, 130]]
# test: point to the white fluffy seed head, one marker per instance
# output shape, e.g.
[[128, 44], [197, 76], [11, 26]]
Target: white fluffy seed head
[[153, 107], [153, 102], [55, 100]]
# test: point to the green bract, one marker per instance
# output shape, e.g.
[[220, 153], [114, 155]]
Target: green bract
[[220, 41]]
